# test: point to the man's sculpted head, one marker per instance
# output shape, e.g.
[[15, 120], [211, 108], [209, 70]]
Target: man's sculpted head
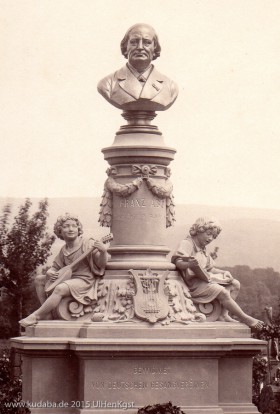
[[138, 85], [140, 45]]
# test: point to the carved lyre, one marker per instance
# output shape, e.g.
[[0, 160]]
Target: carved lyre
[[150, 300]]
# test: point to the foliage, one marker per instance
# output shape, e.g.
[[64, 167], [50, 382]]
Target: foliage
[[166, 408], [268, 332], [276, 318], [10, 389], [274, 410], [260, 368], [24, 245], [5, 327], [269, 402], [259, 288]]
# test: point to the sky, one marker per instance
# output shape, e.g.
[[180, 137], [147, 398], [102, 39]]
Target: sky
[[225, 125]]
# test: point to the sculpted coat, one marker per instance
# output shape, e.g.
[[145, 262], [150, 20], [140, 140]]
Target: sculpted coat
[[123, 90]]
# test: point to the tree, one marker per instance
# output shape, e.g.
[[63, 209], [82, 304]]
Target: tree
[[24, 245], [259, 288], [10, 388]]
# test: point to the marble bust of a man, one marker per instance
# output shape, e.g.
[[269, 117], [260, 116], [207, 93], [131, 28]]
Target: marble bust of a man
[[138, 85]]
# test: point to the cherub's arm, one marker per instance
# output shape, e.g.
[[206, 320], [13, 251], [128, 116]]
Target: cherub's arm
[[183, 264], [183, 258], [100, 254]]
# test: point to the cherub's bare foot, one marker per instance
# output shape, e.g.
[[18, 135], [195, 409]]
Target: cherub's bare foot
[[30, 320], [257, 326], [254, 324]]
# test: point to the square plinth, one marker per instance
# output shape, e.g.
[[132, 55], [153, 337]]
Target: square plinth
[[113, 368]]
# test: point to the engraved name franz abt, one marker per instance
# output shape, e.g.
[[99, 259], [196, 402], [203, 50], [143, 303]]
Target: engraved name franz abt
[[141, 202]]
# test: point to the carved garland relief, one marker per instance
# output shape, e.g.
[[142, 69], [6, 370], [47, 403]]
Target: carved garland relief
[[124, 190]]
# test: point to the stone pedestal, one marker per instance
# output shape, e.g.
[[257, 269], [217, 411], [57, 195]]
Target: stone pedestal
[[96, 368], [137, 202], [139, 342]]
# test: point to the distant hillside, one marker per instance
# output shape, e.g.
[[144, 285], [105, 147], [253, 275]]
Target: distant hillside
[[249, 237]]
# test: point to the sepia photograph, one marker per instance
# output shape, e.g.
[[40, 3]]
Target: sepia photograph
[[139, 207]]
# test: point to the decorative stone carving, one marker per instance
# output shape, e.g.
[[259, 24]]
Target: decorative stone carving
[[111, 186], [161, 191], [211, 310], [153, 296], [150, 300], [181, 307], [69, 309], [105, 212], [122, 190], [114, 301], [170, 211], [164, 191], [144, 170], [111, 171]]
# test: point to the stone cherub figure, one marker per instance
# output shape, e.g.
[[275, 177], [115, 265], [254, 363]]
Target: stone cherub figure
[[81, 285], [138, 85], [203, 279]]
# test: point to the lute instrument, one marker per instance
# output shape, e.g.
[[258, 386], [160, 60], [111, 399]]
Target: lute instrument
[[66, 272]]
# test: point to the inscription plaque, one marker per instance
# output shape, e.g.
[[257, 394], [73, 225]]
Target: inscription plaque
[[139, 219], [143, 383]]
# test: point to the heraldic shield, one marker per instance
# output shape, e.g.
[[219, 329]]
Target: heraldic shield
[[150, 299]]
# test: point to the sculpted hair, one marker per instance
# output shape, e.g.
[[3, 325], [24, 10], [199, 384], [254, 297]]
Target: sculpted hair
[[203, 224], [61, 220], [126, 37]]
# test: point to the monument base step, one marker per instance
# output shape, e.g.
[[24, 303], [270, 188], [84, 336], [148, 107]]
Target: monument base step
[[137, 329], [101, 368]]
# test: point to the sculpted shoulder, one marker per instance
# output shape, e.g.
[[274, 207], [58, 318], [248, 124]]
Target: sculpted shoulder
[[123, 90], [186, 247], [105, 85]]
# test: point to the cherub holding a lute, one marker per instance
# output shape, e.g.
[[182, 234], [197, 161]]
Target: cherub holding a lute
[[74, 271]]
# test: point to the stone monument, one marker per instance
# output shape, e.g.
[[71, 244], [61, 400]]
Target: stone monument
[[142, 339]]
